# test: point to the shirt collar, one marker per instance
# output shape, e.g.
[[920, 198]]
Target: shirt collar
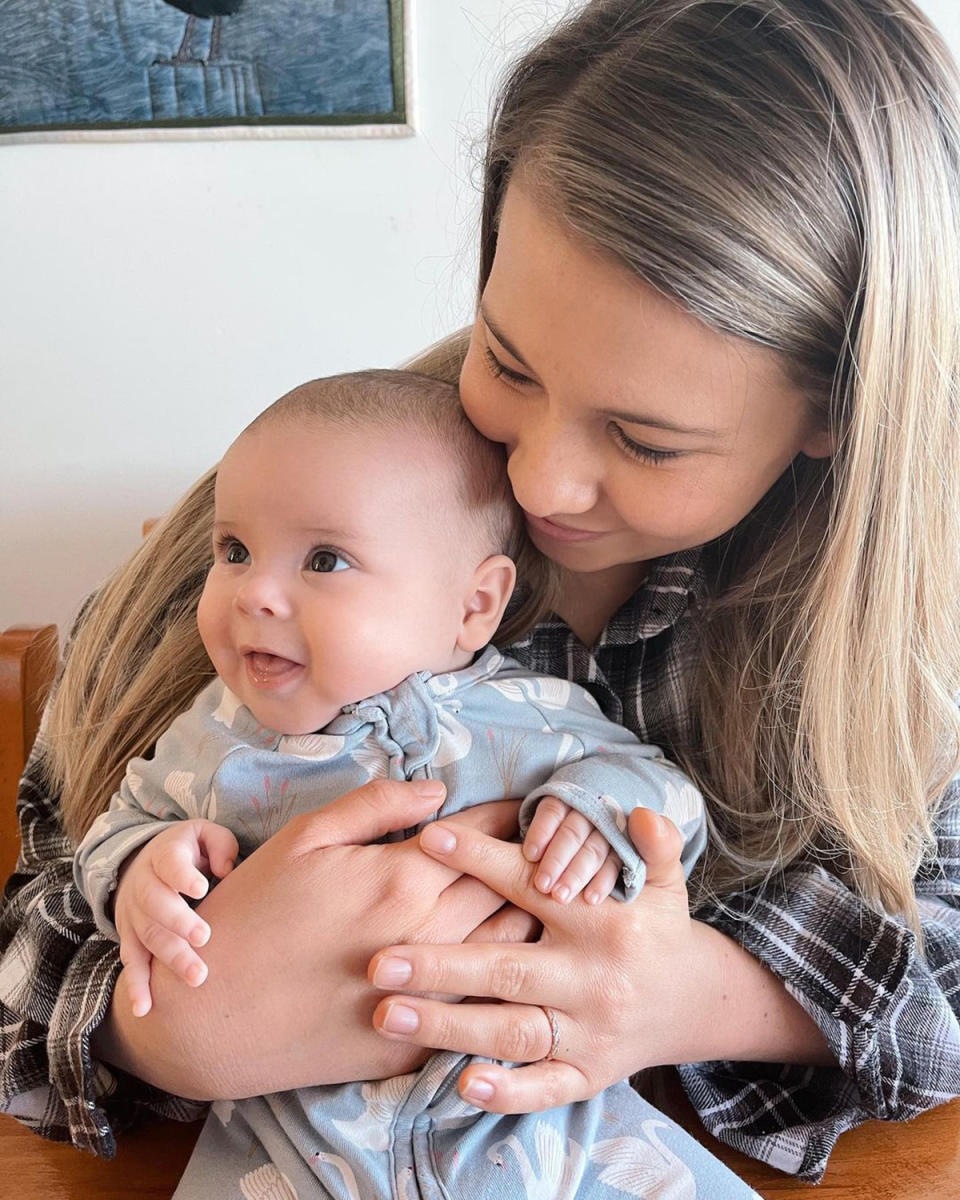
[[673, 583]]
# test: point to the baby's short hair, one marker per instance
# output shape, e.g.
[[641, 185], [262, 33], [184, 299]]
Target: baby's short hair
[[408, 400]]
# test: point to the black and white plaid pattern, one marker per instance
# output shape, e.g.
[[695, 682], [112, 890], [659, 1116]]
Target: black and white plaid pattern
[[889, 1013]]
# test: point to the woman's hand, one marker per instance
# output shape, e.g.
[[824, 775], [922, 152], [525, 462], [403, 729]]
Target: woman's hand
[[286, 1002], [630, 985]]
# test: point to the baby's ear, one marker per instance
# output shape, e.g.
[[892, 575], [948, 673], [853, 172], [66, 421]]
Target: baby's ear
[[491, 587]]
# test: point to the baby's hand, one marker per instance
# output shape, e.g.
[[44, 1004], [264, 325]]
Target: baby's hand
[[151, 915], [572, 854]]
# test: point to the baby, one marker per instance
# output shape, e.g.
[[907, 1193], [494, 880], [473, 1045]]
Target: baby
[[362, 541]]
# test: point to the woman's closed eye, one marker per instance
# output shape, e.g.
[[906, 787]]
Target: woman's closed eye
[[638, 450], [500, 370], [635, 450], [324, 561]]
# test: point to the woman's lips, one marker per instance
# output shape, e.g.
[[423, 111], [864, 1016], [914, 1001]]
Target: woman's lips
[[267, 670], [561, 533]]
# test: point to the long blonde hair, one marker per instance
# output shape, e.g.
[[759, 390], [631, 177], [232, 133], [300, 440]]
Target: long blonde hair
[[787, 170]]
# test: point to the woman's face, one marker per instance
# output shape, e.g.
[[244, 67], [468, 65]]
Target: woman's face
[[632, 429]]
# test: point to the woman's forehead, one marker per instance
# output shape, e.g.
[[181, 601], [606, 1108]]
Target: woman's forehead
[[570, 313]]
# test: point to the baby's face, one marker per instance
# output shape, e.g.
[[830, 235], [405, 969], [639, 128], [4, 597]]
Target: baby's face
[[341, 563]]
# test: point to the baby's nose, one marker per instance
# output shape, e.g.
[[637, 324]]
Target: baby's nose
[[263, 595]]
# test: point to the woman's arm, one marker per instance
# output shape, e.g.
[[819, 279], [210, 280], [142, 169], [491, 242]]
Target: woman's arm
[[890, 1014], [641, 984]]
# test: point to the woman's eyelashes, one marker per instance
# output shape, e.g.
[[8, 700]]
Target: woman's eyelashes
[[501, 370], [637, 450], [633, 449], [628, 445]]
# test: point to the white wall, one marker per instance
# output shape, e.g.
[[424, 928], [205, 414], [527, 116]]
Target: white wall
[[155, 296]]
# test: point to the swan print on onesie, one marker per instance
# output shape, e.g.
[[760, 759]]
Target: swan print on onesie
[[489, 728]]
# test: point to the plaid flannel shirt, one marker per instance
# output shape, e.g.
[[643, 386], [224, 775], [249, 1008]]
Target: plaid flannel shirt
[[889, 1014]]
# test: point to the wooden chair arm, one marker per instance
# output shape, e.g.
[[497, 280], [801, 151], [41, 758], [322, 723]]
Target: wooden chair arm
[[28, 662]]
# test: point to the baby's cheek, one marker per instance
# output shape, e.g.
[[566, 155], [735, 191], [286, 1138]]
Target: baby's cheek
[[211, 623]]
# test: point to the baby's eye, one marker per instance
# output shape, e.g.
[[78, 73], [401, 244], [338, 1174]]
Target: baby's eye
[[325, 561], [231, 551]]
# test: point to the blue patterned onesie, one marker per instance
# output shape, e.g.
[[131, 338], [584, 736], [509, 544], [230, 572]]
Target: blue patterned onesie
[[490, 729]]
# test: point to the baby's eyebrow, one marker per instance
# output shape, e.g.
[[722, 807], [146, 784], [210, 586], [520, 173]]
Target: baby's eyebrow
[[315, 533], [328, 534]]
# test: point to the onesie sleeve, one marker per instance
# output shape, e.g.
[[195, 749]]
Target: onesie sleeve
[[604, 772], [171, 786], [889, 1010]]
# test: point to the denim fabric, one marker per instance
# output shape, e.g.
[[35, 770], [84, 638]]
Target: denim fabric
[[101, 62]]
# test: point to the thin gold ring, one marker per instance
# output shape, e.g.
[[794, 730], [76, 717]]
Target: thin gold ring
[[554, 1033]]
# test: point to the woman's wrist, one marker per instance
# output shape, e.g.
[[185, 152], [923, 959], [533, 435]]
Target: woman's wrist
[[154, 1049], [737, 1009]]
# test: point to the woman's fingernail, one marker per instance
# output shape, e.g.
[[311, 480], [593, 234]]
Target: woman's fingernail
[[430, 789], [400, 1019], [392, 972], [438, 839], [478, 1089]]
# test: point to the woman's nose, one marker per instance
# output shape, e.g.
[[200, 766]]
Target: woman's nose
[[553, 475], [263, 595]]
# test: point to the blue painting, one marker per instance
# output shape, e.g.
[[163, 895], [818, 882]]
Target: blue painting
[[76, 65]]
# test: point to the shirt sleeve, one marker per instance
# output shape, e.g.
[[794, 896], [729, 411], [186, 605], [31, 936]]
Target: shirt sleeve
[[57, 974], [889, 1011]]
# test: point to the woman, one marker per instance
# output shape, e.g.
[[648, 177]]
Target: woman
[[718, 334]]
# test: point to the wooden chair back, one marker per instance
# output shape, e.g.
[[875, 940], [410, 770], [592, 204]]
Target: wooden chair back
[[28, 662]]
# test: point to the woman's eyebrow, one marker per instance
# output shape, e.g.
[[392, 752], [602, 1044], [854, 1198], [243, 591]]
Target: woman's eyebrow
[[659, 423], [504, 341]]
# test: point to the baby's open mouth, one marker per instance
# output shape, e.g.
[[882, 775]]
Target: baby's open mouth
[[267, 668]]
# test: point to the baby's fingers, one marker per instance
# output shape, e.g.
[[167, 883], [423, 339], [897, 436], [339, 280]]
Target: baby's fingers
[[136, 960], [546, 821], [572, 833], [220, 847], [584, 865], [173, 951], [605, 880], [162, 904], [173, 864]]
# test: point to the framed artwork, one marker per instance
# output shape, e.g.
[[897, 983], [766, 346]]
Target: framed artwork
[[73, 70]]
